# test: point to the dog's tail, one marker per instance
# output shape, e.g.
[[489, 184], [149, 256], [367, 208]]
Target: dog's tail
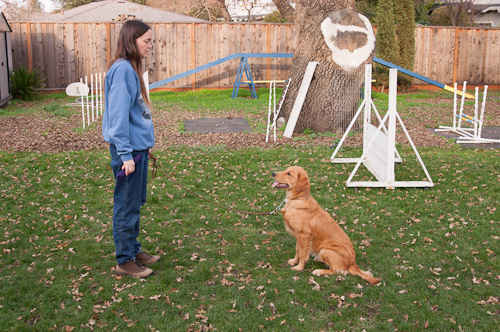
[[355, 270]]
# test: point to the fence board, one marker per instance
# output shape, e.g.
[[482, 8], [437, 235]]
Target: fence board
[[183, 54], [492, 63], [71, 61], [37, 48], [201, 44], [65, 52], [59, 55], [445, 54], [224, 51], [48, 53]]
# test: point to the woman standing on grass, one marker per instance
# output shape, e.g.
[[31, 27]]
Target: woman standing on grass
[[128, 127]]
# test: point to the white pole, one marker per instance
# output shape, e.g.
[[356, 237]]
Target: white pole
[[96, 96], [274, 108], [483, 105], [368, 92], [368, 104], [100, 92], [269, 114], [81, 101], [462, 105], [476, 110], [92, 95], [455, 106], [87, 102], [391, 124]]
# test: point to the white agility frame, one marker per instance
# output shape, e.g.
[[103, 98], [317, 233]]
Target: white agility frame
[[272, 113], [468, 134], [93, 105], [379, 143]]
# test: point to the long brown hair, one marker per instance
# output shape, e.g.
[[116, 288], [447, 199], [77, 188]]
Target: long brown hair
[[126, 48]]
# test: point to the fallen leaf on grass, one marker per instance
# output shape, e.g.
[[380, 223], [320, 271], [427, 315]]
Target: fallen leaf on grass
[[353, 295], [490, 300], [316, 287]]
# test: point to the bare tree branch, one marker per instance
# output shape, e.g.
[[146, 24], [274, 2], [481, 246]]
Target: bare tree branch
[[20, 10], [207, 9], [459, 9]]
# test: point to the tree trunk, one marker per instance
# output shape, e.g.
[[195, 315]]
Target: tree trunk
[[285, 9], [341, 40], [224, 11]]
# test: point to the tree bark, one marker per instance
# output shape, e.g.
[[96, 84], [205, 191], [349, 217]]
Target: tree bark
[[224, 11], [341, 40], [285, 9]]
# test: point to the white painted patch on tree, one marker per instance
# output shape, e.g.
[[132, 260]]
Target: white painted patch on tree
[[343, 57]]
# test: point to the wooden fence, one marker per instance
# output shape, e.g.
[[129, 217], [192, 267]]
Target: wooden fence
[[65, 52]]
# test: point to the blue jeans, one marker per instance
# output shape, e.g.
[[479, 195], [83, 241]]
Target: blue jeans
[[129, 195]]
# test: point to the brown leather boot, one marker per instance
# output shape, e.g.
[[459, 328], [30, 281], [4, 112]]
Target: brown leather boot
[[132, 268], [145, 259]]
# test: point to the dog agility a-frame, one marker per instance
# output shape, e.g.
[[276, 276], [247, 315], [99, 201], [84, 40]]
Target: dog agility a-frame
[[379, 143]]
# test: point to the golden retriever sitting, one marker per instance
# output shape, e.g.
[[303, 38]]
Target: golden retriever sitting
[[316, 232]]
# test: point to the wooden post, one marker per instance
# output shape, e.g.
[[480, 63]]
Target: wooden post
[[455, 56], [108, 42], [269, 40], [484, 39], [28, 42]]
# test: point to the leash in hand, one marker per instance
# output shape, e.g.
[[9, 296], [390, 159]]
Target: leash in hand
[[157, 167]]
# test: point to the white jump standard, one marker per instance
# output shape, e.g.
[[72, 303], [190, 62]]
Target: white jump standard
[[469, 134], [379, 143], [272, 113]]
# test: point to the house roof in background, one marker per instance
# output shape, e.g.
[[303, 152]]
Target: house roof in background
[[4, 25], [115, 10]]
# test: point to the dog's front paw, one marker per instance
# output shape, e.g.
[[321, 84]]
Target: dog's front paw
[[322, 272], [293, 261], [298, 268]]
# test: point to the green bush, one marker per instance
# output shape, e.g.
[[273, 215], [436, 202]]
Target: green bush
[[274, 17], [25, 83], [441, 17]]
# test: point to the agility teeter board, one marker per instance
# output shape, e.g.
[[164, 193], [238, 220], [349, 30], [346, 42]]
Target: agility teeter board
[[299, 101]]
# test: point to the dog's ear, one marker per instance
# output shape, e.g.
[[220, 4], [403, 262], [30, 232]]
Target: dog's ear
[[303, 184]]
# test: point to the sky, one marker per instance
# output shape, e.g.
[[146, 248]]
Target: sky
[[48, 5]]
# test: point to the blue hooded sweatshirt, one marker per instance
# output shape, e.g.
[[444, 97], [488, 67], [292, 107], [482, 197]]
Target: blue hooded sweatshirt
[[127, 121]]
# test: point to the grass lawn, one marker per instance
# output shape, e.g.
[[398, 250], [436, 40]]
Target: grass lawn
[[436, 250]]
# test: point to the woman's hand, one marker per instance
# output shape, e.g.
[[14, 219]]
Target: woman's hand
[[129, 166]]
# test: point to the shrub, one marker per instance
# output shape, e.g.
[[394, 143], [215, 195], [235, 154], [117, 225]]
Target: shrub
[[274, 17], [441, 17], [404, 17], [387, 45], [25, 83]]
